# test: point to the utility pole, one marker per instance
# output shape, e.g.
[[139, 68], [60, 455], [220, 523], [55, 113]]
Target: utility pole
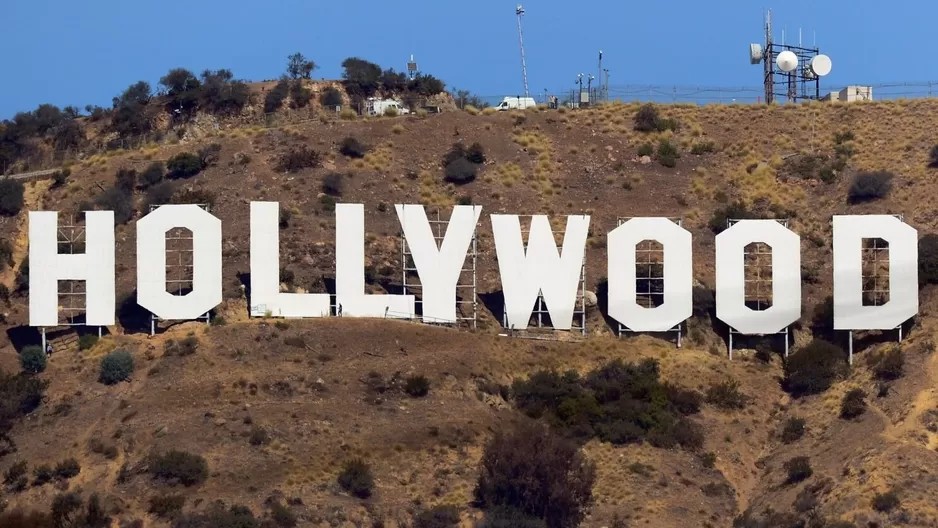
[[524, 71], [600, 74], [606, 88], [589, 89], [579, 97]]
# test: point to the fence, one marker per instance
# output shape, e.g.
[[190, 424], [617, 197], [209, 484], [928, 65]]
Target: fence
[[627, 93]]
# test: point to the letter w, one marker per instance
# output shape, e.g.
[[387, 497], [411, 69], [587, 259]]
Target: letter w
[[539, 269]]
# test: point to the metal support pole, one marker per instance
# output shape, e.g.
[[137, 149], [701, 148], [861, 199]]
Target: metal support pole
[[43, 340], [850, 349], [731, 345], [786, 342], [99, 332]]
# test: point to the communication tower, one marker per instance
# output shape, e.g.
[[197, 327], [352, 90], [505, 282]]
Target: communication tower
[[412, 67], [524, 71], [789, 71]]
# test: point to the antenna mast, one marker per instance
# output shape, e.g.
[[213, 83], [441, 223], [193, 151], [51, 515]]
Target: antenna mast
[[524, 71]]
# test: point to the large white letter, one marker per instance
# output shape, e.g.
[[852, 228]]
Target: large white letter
[[350, 270], [731, 280], [439, 267], [524, 273], [47, 267], [206, 262], [849, 312], [678, 274], [265, 271]]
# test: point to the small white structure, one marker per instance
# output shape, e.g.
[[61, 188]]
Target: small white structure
[[512, 103], [850, 94], [378, 107]]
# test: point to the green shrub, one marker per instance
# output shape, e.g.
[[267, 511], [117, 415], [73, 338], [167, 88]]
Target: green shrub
[[184, 165], [619, 403], [708, 460], [885, 502], [507, 517], [300, 96], [330, 97], [332, 184], [442, 516], [798, 469], [15, 472], [667, 153], [853, 404], [299, 158], [726, 395], [60, 178], [275, 97], [356, 478], [352, 148], [734, 211], [793, 430], [237, 516], [538, 473], [11, 196], [67, 469], [417, 386], [282, 516], [460, 171], [475, 153], [646, 119], [646, 149], [42, 475], [259, 436], [869, 186], [87, 341], [814, 368], [33, 359], [166, 506], [184, 347], [116, 367], [327, 202], [180, 466], [119, 201]]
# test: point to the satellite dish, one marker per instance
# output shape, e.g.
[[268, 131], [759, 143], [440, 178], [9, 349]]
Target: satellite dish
[[755, 53], [821, 65], [787, 61]]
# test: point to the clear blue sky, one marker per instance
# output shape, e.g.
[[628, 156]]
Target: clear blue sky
[[67, 52]]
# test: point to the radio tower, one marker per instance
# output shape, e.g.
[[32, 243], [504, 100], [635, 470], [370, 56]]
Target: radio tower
[[524, 71]]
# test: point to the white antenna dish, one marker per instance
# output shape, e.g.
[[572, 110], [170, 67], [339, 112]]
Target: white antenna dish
[[821, 65], [755, 53], [787, 61]]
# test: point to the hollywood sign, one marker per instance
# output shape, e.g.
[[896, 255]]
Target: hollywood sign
[[526, 270]]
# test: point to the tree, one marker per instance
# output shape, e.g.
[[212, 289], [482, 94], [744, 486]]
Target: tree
[[222, 94], [361, 77], [299, 67], [530, 469], [179, 80]]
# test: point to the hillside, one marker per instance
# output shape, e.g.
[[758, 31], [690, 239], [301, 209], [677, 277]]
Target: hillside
[[324, 391]]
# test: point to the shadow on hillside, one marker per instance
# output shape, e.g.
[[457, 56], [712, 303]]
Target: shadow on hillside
[[23, 336], [133, 318], [494, 302]]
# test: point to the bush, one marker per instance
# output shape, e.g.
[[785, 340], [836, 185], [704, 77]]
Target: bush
[[184, 165], [888, 365], [259, 436], [67, 469], [166, 506], [928, 259], [300, 158], [814, 368], [703, 147], [218, 517], [726, 395], [126, 181], [793, 430], [667, 153], [300, 96], [506, 517], [19, 396], [885, 502], [275, 97], [869, 186], [152, 175], [460, 171], [60, 178], [646, 119], [15, 472], [332, 184], [119, 201], [646, 149], [87, 341], [442, 516], [853, 404], [734, 211], [619, 403], [537, 473], [11, 196], [282, 516], [798, 469], [186, 468], [209, 154], [356, 478], [33, 359], [417, 386], [42, 475], [476, 153], [352, 148], [116, 367], [330, 97], [933, 157]]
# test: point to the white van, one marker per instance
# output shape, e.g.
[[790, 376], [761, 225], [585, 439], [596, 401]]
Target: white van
[[512, 103], [377, 107]]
